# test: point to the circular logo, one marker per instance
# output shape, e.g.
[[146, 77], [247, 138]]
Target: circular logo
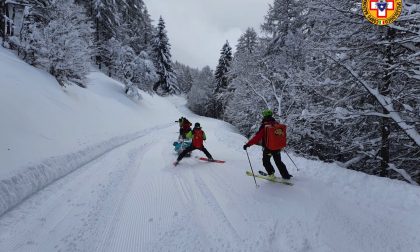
[[279, 132], [382, 12]]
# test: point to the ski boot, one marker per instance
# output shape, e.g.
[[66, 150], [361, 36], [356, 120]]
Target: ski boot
[[271, 177]]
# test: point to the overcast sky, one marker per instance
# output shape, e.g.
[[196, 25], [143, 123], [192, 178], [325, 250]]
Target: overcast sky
[[197, 29]]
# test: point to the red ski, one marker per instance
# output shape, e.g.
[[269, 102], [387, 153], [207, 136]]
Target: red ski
[[215, 161]]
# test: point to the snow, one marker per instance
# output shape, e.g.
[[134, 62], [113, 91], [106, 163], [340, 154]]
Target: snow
[[102, 180], [44, 126]]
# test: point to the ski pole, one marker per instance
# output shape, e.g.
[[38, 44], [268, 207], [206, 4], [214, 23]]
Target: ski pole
[[291, 160], [253, 175]]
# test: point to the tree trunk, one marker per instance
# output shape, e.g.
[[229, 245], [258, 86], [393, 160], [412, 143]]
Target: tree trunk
[[385, 131], [12, 31], [98, 57], [385, 91]]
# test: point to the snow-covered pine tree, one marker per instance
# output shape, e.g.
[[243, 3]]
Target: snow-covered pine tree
[[107, 20], [148, 30], [245, 50], [187, 81], [247, 42], [167, 83], [185, 76], [200, 97], [135, 71], [284, 17], [136, 29], [223, 67], [123, 38], [243, 104], [60, 40], [278, 73], [145, 75], [222, 79]]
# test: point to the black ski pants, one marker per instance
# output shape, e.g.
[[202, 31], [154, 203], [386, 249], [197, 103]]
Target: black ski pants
[[267, 154], [191, 148]]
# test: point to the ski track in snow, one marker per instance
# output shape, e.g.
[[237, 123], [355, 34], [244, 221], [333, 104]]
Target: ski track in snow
[[81, 200], [15, 188]]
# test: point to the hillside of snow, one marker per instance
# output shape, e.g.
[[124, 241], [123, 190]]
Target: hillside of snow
[[47, 131], [91, 170]]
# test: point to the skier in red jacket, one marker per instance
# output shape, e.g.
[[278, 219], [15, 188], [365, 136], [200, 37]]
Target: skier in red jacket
[[198, 136], [271, 147]]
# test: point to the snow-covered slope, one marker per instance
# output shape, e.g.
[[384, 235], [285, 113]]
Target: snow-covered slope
[[47, 131], [125, 195]]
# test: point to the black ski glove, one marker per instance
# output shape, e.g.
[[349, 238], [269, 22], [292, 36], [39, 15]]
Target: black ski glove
[[245, 146]]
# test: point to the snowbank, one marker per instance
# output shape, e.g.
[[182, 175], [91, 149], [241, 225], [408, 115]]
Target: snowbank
[[47, 131]]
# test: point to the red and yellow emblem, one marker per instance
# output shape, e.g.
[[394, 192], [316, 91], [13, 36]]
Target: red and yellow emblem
[[382, 12], [279, 132]]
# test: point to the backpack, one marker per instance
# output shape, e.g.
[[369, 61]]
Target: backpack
[[186, 125], [275, 136], [198, 137]]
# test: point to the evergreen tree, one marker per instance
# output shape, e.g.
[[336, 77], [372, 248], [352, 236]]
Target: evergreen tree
[[222, 79], [200, 97], [245, 51], [222, 69], [123, 41], [124, 20], [106, 22], [136, 28], [283, 18], [167, 83], [135, 71], [148, 30], [188, 80], [247, 42], [244, 102], [185, 76]]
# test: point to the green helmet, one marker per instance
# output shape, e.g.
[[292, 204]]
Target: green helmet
[[267, 113]]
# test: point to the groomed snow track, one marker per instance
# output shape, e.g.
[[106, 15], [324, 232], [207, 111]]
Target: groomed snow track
[[29, 180]]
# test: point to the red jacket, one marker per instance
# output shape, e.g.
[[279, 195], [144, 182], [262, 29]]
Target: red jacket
[[198, 136], [259, 136]]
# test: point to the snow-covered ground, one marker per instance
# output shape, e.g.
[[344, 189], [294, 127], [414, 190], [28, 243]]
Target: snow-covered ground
[[92, 171], [47, 132]]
